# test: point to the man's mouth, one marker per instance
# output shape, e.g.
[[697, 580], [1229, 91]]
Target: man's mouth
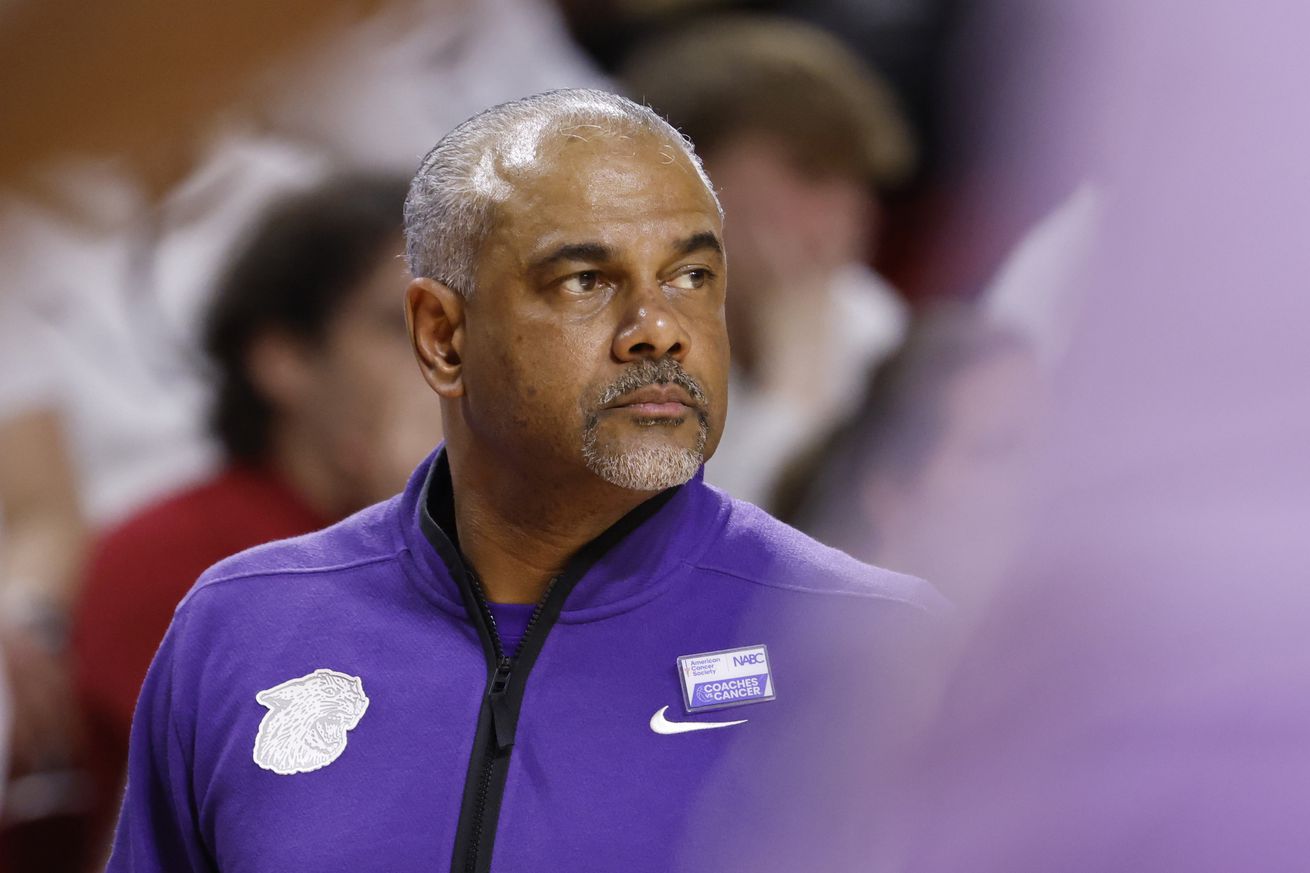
[[656, 401]]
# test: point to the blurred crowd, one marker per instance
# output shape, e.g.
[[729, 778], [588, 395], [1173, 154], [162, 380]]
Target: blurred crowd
[[202, 346]]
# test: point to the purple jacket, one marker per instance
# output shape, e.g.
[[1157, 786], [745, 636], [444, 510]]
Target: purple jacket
[[340, 702]]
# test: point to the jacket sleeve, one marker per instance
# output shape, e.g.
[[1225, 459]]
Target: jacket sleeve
[[158, 829]]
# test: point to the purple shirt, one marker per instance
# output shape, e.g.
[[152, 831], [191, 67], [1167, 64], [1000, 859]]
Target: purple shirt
[[511, 622], [328, 703]]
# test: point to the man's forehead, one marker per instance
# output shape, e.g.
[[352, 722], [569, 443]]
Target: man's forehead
[[581, 163], [588, 182]]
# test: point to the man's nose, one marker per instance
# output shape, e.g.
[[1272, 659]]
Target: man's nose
[[651, 329]]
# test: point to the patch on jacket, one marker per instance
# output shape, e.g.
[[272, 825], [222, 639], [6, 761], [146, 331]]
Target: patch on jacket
[[732, 677], [305, 727]]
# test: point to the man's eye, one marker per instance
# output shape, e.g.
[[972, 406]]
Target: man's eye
[[691, 280], [582, 282]]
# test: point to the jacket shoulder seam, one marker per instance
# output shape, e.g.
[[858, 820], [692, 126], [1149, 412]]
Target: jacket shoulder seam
[[268, 573], [801, 589]]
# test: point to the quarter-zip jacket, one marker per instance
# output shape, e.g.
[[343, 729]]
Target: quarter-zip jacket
[[431, 749]]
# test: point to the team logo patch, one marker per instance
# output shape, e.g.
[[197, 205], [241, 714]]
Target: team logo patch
[[732, 677], [305, 727]]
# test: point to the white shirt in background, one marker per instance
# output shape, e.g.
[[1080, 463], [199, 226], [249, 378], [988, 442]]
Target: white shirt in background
[[111, 289], [764, 431], [379, 94]]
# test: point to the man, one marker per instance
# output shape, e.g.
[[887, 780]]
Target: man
[[802, 139], [305, 338], [505, 667]]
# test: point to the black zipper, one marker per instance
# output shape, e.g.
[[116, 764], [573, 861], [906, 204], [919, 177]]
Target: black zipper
[[503, 721], [507, 676]]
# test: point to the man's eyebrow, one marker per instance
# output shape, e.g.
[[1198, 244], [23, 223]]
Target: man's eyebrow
[[697, 241], [587, 251]]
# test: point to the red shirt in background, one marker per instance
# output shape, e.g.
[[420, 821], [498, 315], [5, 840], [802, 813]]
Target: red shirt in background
[[138, 572]]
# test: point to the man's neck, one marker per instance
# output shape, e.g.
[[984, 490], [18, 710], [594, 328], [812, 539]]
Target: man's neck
[[518, 532]]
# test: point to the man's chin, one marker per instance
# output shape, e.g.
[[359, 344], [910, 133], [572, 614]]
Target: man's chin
[[643, 465]]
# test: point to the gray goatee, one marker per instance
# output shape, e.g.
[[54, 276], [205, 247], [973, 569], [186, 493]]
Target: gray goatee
[[647, 468]]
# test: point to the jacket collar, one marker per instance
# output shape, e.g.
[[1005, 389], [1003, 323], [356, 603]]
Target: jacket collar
[[643, 549]]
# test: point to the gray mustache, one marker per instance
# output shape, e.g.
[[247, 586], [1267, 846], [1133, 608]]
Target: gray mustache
[[665, 371]]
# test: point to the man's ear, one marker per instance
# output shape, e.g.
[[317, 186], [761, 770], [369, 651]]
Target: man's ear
[[434, 314]]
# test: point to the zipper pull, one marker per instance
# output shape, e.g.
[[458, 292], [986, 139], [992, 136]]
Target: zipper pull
[[503, 719]]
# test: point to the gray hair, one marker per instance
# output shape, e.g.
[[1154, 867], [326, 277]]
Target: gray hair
[[451, 205]]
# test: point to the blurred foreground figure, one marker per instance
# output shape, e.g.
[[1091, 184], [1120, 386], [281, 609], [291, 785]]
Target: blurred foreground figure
[[1136, 698], [307, 341], [798, 137], [558, 648]]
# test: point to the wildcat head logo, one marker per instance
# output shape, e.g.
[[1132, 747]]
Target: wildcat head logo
[[305, 727]]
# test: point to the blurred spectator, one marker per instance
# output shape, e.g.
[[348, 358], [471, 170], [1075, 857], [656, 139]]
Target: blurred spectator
[[41, 548], [379, 93], [907, 40], [40, 558], [933, 474], [904, 39], [112, 260], [799, 137], [308, 339], [154, 215]]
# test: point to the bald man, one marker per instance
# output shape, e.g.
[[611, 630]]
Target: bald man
[[558, 649]]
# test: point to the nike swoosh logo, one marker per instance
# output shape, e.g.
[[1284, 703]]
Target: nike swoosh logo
[[661, 725]]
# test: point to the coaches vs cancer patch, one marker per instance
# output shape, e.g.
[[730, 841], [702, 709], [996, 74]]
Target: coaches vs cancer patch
[[732, 677]]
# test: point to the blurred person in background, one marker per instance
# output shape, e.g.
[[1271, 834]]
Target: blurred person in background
[[378, 93], [932, 474], [41, 546], [125, 178], [170, 162], [309, 347], [799, 137], [113, 257]]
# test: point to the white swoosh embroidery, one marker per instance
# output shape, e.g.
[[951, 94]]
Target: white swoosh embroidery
[[661, 725]]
